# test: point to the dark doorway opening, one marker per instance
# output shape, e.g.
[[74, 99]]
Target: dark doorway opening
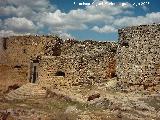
[[60, 73], [34, 71], [5, 43], [34, 74]]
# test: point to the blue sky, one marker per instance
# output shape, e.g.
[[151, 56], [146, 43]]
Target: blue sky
[[99, 21]]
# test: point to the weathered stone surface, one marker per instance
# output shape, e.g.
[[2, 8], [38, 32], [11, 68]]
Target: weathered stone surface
[[18, 50], [27, 91], [80, 62], [136, 61], [138, 57]]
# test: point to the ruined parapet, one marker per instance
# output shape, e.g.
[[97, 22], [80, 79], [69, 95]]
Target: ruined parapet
[[53, 47], [138, 58], [17, 50]]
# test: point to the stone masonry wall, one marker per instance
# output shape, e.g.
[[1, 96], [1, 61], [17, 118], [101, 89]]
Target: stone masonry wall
[[16, 53], [81, 62], [138, 58], [11, 75], [20, 49]]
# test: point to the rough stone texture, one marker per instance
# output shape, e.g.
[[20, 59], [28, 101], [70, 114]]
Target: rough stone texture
[[18, 50], [9, 75], [71, 62], [58, 62], [26, 91], [79, 63], [138, 58], [16, 53]]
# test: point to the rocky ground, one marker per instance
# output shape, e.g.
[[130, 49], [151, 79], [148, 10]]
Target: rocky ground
[[94, 102]]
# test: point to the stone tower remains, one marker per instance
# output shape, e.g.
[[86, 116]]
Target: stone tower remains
[[138, 58]]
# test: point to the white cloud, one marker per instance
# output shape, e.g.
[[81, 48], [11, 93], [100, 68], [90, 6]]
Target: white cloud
[[44, 15], [54, 18], [4, 33], [20, 11], [60, 21], [78, 19], [139, 20], [1, 23], [38, 5], [65, 36], [105, 29], [19, 24], [109, 9], [34, 17], [25, 8]]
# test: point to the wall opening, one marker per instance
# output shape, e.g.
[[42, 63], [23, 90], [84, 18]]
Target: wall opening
[[24, 51], [60, 73], [34, 74], [125, 43], [113, 74], [18, 67], [33, 71], [5, 43]]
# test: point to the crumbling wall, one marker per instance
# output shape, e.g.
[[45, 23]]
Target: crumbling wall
[[15, 55], [19, 49], [11, 75], [53, 47], [71, 62], [138, 58], [82, 63]]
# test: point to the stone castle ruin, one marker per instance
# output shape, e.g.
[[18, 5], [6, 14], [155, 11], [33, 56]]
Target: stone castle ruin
[[138, 57], [52, 62]]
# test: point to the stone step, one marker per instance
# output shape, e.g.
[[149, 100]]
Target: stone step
[[23, 91], [29, 90], [16, 96], [13, 97], [23, 97]]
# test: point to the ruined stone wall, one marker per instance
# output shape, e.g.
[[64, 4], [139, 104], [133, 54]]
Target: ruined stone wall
[[77, 62], [2, 53], [81, 62], [16, 53], [20, 49], [138, 58], [11, 75]]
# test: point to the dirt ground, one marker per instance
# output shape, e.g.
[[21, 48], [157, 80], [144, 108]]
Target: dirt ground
[[111, 105]]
